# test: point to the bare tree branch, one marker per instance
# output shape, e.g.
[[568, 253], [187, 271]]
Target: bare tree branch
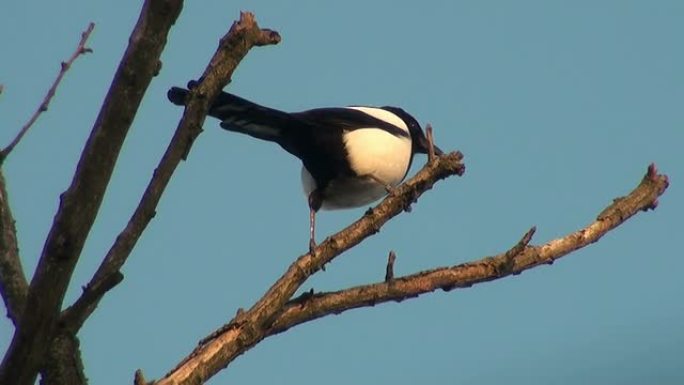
[[519, 258], [241, 37], [80, 50], [311, 306], [13, 285], [80, 203], [241, 334], [45, 339], [250, 327]]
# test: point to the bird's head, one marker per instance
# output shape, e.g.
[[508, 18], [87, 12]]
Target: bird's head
[[418, 139]]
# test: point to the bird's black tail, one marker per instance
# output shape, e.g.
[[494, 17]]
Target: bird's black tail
[[241, 115], [177, 95]]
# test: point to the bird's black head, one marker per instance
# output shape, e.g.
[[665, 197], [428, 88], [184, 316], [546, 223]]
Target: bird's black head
[[418, 139]]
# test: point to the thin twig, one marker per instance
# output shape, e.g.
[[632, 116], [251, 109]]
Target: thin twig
[[139, 378], [81, 49], [431, 142], [389, 269], [518, 248]]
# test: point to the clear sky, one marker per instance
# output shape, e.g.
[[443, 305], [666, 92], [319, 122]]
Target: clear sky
[[558, 106]]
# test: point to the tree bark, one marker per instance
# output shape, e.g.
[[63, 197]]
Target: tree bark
[[80, 203]]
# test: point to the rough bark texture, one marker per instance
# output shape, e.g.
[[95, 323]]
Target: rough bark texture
[[44, 330], [63, 363], [13, 285], [80, 203]]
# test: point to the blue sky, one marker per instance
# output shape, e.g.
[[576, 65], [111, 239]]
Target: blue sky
[[558, 107]]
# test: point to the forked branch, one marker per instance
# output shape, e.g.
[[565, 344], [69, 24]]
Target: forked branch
[[80, 203], [245, 331], [519, 258], [242, 36], [251, 326], [13, 284]]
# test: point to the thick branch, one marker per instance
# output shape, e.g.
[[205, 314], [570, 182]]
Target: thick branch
[[13, 285], [63, 363], [242, 36], [80, 203], [519, 258], [80, 50], [398, 201], [250, 327]]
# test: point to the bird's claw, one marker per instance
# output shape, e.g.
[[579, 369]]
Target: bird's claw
[[312, 246], [390, 189]]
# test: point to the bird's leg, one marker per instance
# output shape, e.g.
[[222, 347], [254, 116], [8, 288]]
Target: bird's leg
[[389, 188], [312, 230], [315, 202]]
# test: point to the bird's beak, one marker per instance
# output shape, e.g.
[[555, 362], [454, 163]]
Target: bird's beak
[[424, 146]]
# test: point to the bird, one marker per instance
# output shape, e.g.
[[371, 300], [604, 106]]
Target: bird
[[351, 156]]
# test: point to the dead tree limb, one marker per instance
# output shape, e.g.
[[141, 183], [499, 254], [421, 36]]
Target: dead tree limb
[[251, 326], [519, 258], [244, 332], [242, 36], [80, 203], [13, 284]]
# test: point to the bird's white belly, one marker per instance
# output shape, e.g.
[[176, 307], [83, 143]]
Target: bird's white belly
[[378, 154], [345, 193], [352, 192], [378, 157]]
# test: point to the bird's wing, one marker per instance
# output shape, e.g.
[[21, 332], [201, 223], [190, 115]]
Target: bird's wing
[[346, 119]]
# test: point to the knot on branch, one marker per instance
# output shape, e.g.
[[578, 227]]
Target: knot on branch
[[248, 29]]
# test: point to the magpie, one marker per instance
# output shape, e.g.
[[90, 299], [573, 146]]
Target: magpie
[[351, 156]]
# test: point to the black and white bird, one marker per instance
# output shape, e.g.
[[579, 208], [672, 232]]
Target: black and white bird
[[351, 156]]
